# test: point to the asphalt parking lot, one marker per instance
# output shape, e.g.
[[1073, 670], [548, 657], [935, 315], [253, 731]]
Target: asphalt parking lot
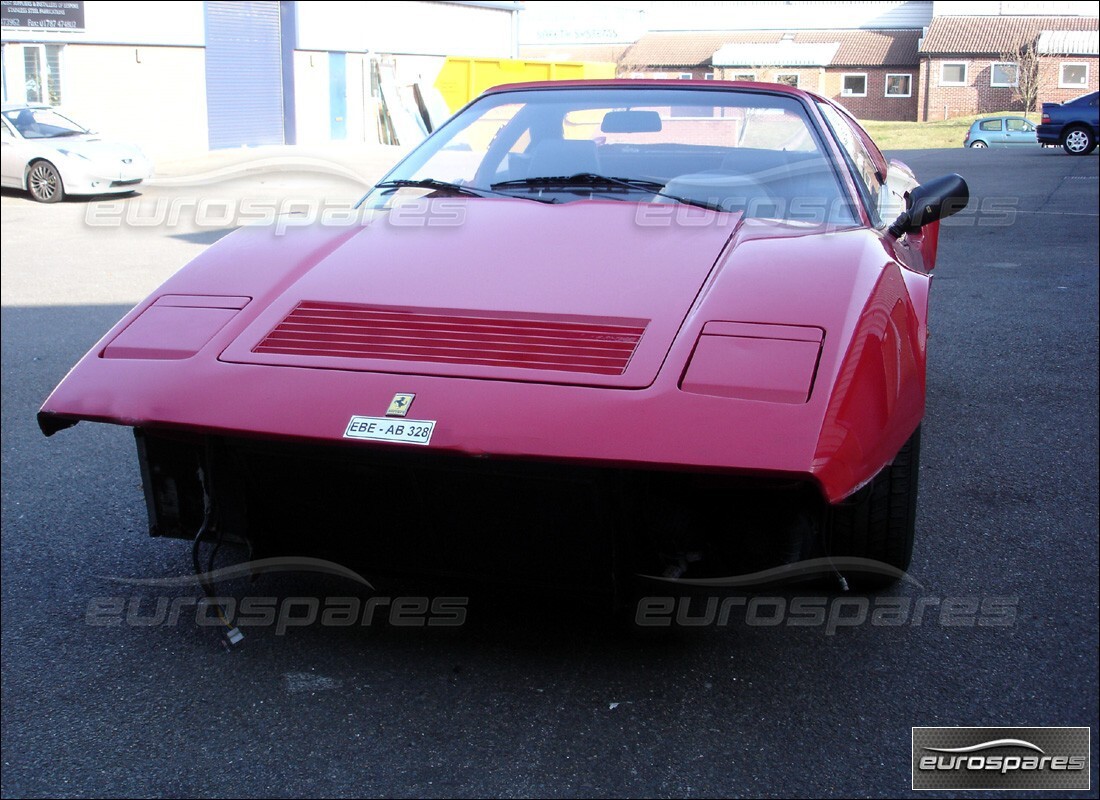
[[532, 696]]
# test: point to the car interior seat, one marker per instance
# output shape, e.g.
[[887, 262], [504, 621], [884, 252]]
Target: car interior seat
[[561, 157]]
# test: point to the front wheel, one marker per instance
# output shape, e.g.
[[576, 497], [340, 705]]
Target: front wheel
[[878, 521], [44, 182], [1078, 141], [978, 145]]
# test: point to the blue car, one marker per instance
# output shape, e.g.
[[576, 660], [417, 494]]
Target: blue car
[[1000, 132], [1074, 124]]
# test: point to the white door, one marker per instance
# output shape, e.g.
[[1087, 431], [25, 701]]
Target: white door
[[12, 159]]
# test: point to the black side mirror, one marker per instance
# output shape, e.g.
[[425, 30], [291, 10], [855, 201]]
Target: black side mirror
[[932, 201]]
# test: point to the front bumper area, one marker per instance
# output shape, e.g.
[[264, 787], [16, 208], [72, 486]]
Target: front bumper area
[[93, 178], [518, 521]]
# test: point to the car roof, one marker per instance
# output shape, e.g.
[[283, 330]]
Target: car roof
[[20, 106], [653, 83]]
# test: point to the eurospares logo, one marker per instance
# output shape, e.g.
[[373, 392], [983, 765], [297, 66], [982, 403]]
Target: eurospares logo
[[1001, 758]]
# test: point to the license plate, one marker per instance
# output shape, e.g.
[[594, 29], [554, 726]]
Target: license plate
[[388, 429]]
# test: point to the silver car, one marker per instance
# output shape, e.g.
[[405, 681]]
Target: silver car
[[49, 155]]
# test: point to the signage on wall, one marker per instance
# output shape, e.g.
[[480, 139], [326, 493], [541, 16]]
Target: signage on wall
[[56, 15]]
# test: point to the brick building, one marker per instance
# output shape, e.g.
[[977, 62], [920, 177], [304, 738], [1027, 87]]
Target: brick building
[[871, 72], [966, 66], [915, 61]]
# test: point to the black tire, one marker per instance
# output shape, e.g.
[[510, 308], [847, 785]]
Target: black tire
[[878, 521], [979, 144], [44, 182], [1078, 141]]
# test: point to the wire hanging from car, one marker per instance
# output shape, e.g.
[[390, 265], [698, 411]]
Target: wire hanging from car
[[232, 635]]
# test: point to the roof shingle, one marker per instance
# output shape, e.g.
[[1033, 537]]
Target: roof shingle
[[993, 35], [695, 49], [783, 54]]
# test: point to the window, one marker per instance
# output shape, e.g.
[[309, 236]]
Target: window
[[744, 76], [691, 112], [686, 76], [525, 135], [953, 73], [1004, 74], [42, 73], [708, 76], [1073, 76], [464, 150], [863, 165], [788, 78], [32, 68], [899, 85], [990, 125], [41, 123], [854, 84], [1019, 125]]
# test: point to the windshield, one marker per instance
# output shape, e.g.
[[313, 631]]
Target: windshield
[[734, 151], [42, 123]]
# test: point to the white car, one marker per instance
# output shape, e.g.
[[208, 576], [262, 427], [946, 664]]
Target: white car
[[51, 156]]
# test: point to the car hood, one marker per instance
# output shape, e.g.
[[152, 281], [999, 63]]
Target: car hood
[[589, 292], [92, 147]]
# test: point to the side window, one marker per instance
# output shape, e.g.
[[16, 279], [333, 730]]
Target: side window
[[867, 177], [1018, 125], [990, 125]]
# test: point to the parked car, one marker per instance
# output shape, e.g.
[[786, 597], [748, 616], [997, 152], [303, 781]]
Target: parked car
[[663, 315], [49, 155], [1074, 124], [1000, 132]]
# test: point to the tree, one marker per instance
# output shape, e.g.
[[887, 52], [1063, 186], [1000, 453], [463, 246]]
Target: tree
[[627, 67], [1027, 60]]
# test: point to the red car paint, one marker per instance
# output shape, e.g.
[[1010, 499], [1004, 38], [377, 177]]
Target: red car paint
[[701, 283]]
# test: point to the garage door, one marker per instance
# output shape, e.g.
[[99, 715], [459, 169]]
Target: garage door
[[244, 78]]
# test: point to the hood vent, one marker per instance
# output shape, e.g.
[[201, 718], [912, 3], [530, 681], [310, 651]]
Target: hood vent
[[596, 345]]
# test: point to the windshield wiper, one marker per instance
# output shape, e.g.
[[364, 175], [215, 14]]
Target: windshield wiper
[[591, 180], [580, 179], [446, 186]]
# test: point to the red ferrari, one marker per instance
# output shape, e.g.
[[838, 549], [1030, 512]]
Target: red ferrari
[[683, 319]]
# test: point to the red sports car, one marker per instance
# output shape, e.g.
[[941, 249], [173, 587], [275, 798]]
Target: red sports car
[[648, 318]]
